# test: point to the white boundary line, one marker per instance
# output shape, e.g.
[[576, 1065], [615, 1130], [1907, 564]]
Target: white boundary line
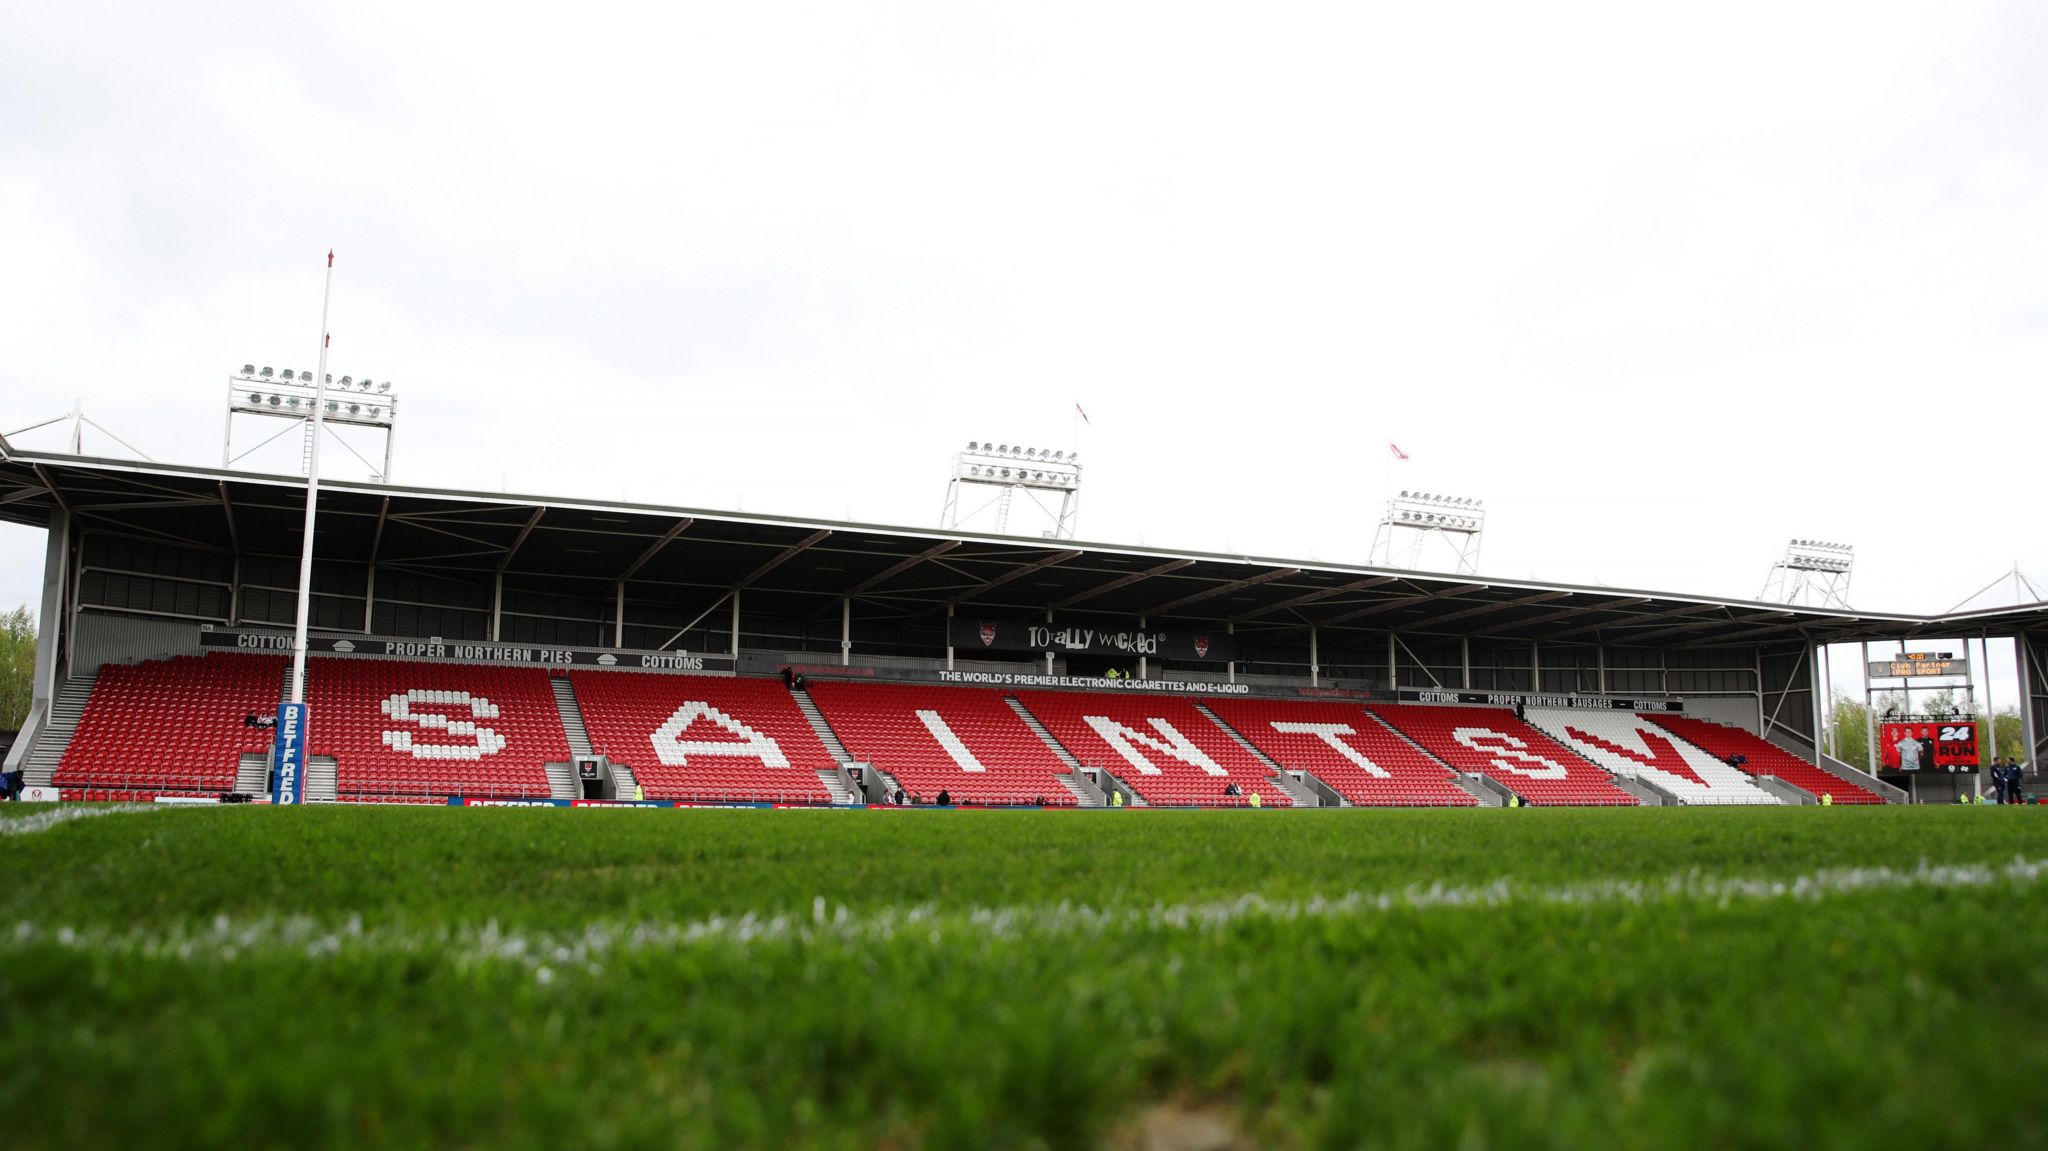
[[586, 949]]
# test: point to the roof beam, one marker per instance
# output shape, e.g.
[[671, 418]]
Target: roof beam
[[654, 549], [228, 509], [783, 557], [1122, 581], [903, 565], [1652, 617], [377, 537], [1016, 573], [1702, 624], [532, 521], [1223, 589], [1503, 605], [1404, 601], [56, 493], [1325, 593], [1569, 612]]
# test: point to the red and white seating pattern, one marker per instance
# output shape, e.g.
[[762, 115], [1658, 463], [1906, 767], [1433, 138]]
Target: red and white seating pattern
[[170, 727], [432, 730], [1765, 757], [1491, 741], [1630, 746], [703, 738], [1344, 747], [964, 741], [1166, 750]]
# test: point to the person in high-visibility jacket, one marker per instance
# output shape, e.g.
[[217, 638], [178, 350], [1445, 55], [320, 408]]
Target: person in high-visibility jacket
[[639, 792], [1116, 799], [1256, 801], [1827, 799]]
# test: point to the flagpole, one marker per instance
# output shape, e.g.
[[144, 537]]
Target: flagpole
[[298, 692]]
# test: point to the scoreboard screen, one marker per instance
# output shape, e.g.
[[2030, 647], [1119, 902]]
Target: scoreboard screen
[[1917, 663], [1928, 747]]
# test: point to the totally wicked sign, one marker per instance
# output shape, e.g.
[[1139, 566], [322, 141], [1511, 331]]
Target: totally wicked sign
[[977, 634]]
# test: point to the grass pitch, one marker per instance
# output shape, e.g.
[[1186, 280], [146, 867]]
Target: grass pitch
[[583, 978]]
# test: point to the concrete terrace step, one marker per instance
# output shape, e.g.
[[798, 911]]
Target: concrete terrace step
[[571, 713], [816, 718], [55, 735]]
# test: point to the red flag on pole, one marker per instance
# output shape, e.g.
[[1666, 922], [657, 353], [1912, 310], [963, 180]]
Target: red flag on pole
[[1396, 449]]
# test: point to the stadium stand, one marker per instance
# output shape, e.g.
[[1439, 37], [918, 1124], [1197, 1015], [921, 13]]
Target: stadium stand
[[704, 739], [170, 727], [1765, 757], [1631, 746], [962, 740], [1162, 746], [1491, 741], [1344, 747], [420, 732]]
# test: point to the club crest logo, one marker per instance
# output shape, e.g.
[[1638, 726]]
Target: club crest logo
[[988, 635], [1201, 647]]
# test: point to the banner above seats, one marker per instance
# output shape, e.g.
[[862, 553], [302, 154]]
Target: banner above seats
[[469, 651], [982, 634]]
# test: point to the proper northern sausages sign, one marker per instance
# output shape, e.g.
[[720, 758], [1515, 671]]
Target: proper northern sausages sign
[[469, 651]]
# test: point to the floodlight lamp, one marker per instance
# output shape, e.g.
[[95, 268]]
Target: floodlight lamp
[[273, 401], [374, 411], [348, 381], [385, 386], [248, 369], [973, 445], [1004, 449], [266, 373], [355, 409]]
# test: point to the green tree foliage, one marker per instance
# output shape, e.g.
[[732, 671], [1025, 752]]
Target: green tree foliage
[[17, 666]]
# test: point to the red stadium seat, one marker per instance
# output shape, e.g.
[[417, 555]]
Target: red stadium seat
[[399, 728], [171, 725], [1166, 750], [1491, 741], [1344, 747], [1765, 757], [961, 740], [703, 738]]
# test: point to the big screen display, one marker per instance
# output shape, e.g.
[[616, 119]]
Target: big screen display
[[1929, 746]]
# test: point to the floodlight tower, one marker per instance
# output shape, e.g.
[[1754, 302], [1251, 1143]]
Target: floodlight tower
[[1813, 573], [1414, 519], [1011, 470], [291, 396]]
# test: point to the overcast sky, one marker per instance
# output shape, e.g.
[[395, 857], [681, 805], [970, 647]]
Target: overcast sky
[[1664, 286]]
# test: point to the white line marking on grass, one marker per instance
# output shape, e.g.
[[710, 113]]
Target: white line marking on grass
[[549, 954], [45, 820]]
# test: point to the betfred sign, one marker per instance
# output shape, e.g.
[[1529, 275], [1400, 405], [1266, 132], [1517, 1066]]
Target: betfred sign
[[288, 754]]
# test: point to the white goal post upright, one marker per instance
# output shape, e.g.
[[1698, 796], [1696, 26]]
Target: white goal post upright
[[298, 692]]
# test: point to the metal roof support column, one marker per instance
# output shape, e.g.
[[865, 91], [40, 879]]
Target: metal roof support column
[[1757, 658], [1142, 667], [77, 592], [56, 566], [1230, 669], [1315, 666], [369, 597], [1048, 651], [845, 630], [1813, 679], [1601, 650], [949, 637], [1535, 666], [235, 592], [1664, 672], [735, 628], [1990, 713], [1869, 716], [2023, 654], [1465, 662], [497, 602], [1393, 671], [619, 616]]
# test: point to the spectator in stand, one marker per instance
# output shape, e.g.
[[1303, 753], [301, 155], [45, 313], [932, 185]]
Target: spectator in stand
[[10, 785], [945, 798], [1232, 789]]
